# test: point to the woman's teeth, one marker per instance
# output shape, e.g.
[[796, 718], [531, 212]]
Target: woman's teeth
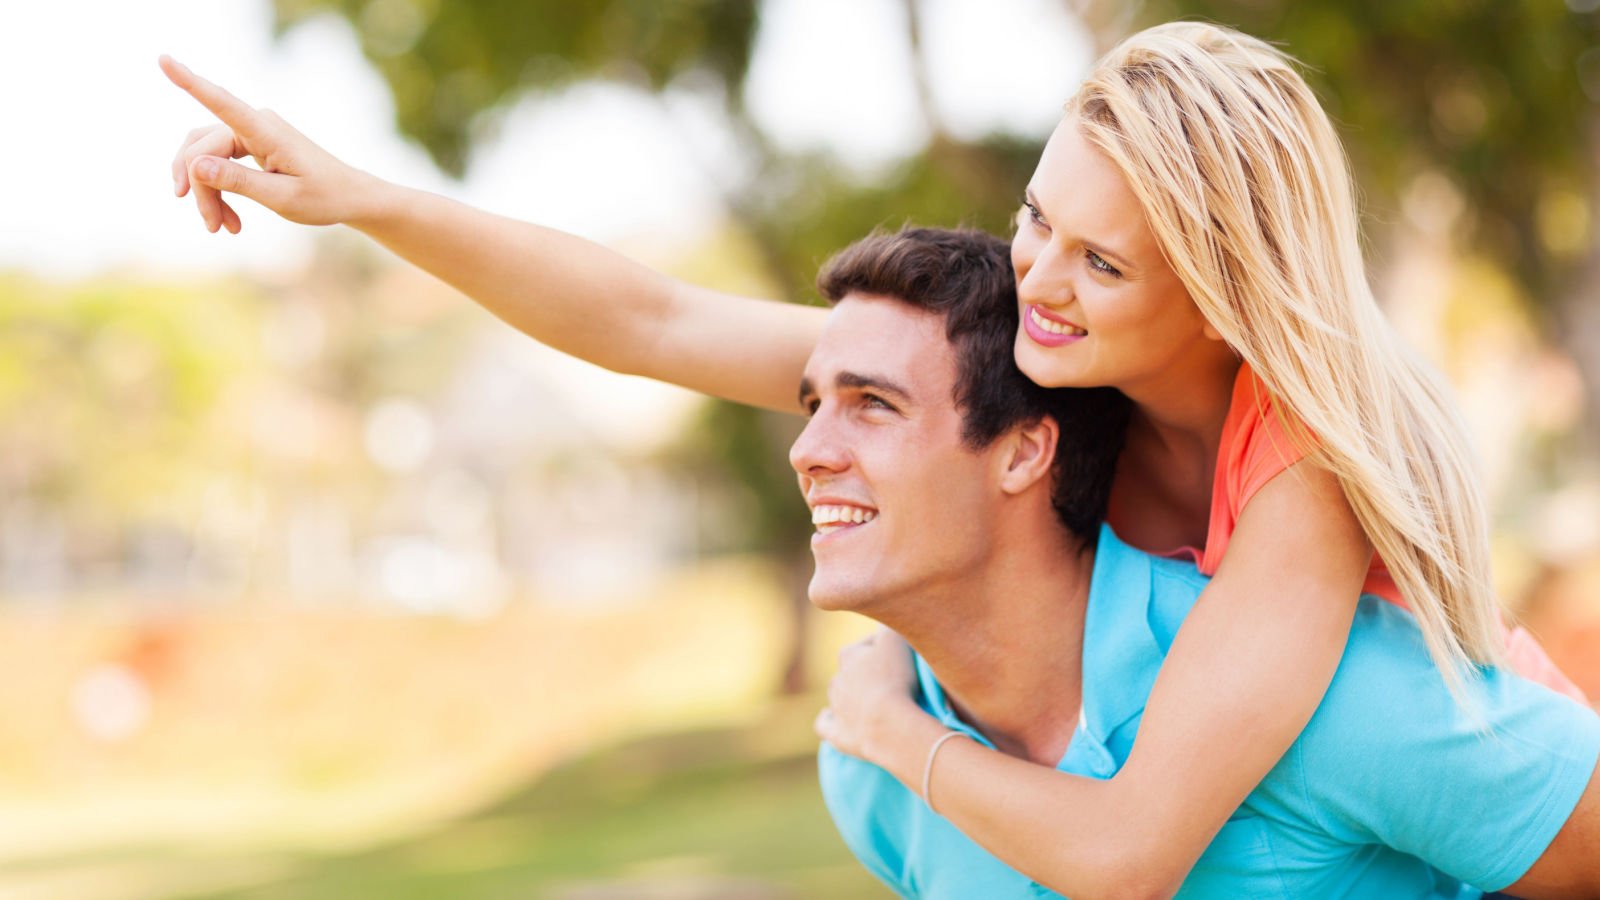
[[1054, 327], [830, 517]]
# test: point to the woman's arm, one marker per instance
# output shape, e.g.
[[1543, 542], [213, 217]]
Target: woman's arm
[[564, 291], [1245, 673]]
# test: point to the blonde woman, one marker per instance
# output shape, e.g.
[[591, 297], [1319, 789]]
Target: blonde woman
[[1189, 238]]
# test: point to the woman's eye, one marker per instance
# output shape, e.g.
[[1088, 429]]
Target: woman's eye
[[1034, 215], [1098, 263]]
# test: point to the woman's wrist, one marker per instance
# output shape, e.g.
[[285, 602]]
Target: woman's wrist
[[900, 740], [374, 202]]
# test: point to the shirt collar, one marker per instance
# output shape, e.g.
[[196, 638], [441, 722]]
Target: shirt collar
[[1120, 654], [938, 704]]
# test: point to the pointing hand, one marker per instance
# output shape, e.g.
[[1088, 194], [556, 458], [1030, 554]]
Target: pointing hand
[[297, 180]]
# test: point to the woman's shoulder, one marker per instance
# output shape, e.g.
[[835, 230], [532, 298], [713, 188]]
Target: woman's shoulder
[[1257, 443]]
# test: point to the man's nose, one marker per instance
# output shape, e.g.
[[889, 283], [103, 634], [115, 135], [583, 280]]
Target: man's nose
[[818, 450]]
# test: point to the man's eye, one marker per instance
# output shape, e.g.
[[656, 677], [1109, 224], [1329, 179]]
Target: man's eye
[[811, 406], [874, 400]]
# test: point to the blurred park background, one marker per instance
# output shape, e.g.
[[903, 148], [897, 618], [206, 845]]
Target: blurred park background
[[318, 581]]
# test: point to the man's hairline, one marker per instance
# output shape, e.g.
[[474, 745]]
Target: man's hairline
[[961, 409]]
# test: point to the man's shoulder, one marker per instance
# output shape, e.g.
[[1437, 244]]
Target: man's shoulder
[[852, 782], [1474, 780], [870, 809], [911, 849]]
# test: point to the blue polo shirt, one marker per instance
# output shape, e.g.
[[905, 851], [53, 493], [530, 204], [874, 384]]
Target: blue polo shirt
[[1391, 791]]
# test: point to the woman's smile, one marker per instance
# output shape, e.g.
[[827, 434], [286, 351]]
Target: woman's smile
[[1050, 330]]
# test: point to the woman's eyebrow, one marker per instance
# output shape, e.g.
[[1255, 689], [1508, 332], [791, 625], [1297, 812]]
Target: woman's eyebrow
[[1110, 255]]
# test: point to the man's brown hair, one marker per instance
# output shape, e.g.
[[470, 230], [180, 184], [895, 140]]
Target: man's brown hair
[[966, 277]]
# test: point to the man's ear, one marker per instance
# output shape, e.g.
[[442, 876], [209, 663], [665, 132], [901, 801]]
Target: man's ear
[[1028, 454]]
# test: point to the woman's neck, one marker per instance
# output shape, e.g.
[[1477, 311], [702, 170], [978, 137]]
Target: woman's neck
[[1161, 499], [1185, 406]]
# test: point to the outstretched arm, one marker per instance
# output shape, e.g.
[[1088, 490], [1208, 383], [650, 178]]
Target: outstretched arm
[[1244, 675], [562, 290]]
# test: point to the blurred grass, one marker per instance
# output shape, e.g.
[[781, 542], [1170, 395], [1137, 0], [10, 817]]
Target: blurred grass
[[726, 812], [730, 812], [620, 750]]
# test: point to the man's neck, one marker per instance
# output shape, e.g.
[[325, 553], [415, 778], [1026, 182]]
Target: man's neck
[[1007, 646]]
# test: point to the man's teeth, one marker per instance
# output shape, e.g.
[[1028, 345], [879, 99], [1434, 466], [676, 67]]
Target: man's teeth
[[841, 515], [1054, 327]]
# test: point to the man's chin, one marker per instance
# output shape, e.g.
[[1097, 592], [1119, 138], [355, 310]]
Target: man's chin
[[832, 597]]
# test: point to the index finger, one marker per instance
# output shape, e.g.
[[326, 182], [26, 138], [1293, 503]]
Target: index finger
[[236, 113]]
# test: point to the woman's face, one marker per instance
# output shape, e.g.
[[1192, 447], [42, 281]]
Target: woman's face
[[1100, 304]]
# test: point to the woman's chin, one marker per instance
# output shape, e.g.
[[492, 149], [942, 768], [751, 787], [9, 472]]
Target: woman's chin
[[1045, 368]]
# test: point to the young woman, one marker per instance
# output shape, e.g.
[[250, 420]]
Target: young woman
[[1189, 238]]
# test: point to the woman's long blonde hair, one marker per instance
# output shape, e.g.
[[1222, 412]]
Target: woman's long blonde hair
[[1249, 194]]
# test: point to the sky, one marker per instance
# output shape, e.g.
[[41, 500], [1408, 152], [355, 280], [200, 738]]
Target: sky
[[93, 125]]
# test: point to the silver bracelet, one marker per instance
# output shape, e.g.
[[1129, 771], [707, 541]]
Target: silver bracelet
[[927, 770]]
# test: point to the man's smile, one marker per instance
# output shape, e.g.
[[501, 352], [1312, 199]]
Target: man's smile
[[832, 517]]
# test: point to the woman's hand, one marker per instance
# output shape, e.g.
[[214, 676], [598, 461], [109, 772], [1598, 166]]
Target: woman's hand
[[298, 180], [872, 691]]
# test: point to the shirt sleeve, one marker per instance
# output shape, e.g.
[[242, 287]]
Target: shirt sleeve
[[1477, 790], [860, 804]]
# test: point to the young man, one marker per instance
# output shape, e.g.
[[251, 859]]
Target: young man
[[957, 503]]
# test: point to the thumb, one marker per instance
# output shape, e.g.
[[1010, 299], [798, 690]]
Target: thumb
[[263, 187], [824, 725]]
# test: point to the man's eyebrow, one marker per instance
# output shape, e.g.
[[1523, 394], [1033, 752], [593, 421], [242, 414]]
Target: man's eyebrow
[[806, 390], [883, 384]]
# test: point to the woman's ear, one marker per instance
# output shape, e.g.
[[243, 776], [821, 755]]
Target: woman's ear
[[1029, 454]]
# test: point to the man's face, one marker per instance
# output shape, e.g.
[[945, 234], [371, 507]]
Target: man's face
[[900, 504]]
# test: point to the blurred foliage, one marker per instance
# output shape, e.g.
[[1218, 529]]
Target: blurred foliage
[[1499, 97], [137, 367], [446, 63]]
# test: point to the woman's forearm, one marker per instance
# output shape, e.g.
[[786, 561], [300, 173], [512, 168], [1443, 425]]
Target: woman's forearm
[[594, 303], [569, 293], [1075, 835]]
